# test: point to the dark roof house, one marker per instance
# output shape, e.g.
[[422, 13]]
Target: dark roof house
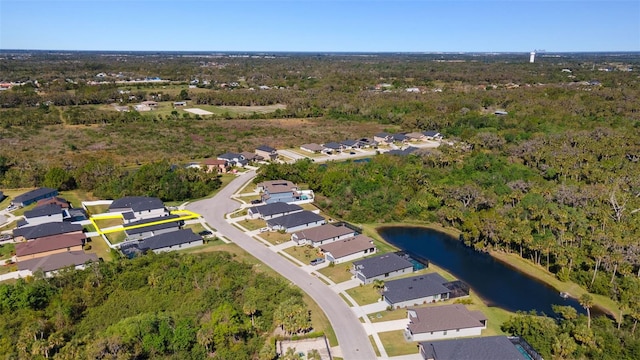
[[296, 221], [171, 240], [136, 204], [480, 348], [274, 210], [47, 229], [145, 225], [45, 210], [34, 195], [413, 288], [381, 267]]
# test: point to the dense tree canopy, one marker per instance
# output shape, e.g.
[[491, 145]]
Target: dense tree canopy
[[152, 307]]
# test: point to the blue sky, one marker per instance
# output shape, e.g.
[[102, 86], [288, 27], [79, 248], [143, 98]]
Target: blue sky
[[330, 25]]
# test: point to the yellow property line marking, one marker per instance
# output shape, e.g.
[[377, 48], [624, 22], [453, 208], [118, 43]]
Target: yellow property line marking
[[182, 215]]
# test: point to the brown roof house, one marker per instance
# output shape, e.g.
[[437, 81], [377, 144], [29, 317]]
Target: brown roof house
[[348, 249], [444, 322], [322, 235], [211, 164], [54, 200], [48, 246]]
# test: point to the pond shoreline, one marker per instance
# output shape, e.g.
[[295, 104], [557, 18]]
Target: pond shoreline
[[513, 262]]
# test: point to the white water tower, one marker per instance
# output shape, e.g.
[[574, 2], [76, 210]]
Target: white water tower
[[532, 57]]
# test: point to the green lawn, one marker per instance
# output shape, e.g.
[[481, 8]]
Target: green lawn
[[7, 250], [76, 197], [388, 315], [97, 209], [364, 294], [105, 223], [395, 344], [116, 237], [196, 228], [374, 346], [303, 253], [275, 238], [338, 273], [100, 248], [5, 269], [9, 226], [253, 224]]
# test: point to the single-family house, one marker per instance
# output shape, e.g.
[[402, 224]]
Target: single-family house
[[350, 144], [179, 103], [403, 152], [416, 136], [332, 147], [273, 210], [281, 191], [149, 227], [321, 235], [381, 267], [295, 222], [52, 263], [48, 246], [174, 240], [142, 207], [41, 215], [234, 159], [480, 348], [446, 321], [32, 196], [415, 290], [62, 202], [348, 249], [215, 165], [399, 137], [312, 148], [267, 152], [383, 138], [432, 135], [251, 157], [150, 103], [46, 229], [367, 142]]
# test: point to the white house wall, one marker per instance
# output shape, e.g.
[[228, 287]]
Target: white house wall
[[448, 334], [417, 302], [44, 219], [179, 247], [153, 213], [383, 277], [348, 258]]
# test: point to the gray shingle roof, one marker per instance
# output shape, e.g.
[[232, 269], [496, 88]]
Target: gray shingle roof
[[173, 238], [266, 148], [333, 145], [323, 232], [166, 224], [414, 287], [296, 219], [481, 348], [137, 203], [382, 264], [33, 194], [44, 210], [275, 208], [445, 317], [47, 229], [57, 261]]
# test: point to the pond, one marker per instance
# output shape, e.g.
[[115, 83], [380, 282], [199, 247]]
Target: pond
[[496, 283]]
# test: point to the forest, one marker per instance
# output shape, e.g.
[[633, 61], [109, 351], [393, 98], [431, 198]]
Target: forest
[[554, 180], [169, 306]]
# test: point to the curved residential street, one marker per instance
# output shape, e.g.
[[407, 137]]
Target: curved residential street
[[352, 338]]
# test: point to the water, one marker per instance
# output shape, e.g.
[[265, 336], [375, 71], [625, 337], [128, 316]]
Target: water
[[497, 284]]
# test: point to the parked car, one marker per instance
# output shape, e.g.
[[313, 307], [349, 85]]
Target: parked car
[[205, 233], [257, 201], [317, 261], [352, 153], [264, 229], [4, 237]]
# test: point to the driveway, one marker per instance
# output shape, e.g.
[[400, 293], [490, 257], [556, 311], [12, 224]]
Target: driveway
[[351, 335]]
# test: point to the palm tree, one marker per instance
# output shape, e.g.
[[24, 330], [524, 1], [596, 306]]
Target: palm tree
[[378, 285], [586, 301]]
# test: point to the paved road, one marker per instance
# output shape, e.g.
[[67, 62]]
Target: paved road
[[352, 338]]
